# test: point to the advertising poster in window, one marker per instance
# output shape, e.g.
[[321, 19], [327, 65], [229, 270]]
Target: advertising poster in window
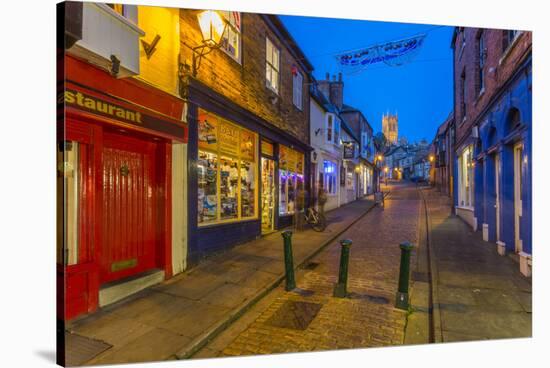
[[248, 145], [208, 132], [229, 139]]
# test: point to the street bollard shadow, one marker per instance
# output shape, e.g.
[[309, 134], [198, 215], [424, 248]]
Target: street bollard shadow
[[370, 298]]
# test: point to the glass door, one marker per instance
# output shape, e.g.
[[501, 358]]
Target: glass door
[[268, 195]]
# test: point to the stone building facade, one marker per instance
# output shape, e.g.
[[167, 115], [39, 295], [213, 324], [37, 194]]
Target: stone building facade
[[248, 115]]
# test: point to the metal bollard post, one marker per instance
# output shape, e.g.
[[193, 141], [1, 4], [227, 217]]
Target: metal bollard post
[[340, 289], [289, 263], [402, 296]]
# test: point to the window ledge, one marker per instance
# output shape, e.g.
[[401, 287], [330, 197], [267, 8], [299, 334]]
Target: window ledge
[[467, 208]]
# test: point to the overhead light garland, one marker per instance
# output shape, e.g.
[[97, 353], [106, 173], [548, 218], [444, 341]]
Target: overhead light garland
[[394, 53]]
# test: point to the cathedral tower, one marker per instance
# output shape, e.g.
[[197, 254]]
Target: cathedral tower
[[389, 127]]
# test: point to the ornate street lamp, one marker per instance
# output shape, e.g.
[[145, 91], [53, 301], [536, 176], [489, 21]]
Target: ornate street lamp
[[212, 27]]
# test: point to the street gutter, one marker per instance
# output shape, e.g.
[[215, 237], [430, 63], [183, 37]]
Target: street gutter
[[436, 332], [204, 338]]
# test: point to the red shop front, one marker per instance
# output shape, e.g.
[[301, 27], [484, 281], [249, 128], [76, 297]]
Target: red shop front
[[114, 183]]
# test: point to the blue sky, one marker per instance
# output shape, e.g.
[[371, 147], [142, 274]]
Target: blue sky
[[421, 92]]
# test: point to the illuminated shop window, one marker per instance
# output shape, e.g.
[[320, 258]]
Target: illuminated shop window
[[291, 179], [68, 181], [329, 176], [466, 177], [226, 171]]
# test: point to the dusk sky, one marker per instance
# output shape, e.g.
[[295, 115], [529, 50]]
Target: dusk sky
[[420, 91]]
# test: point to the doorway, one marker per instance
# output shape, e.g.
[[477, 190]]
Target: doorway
[[518, 154], [129, 207], [268, 195]]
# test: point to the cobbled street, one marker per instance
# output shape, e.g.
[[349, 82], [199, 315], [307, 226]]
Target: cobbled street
[[367, 318]]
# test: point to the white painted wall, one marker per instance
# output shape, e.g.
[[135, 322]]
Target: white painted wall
[[179, 207]]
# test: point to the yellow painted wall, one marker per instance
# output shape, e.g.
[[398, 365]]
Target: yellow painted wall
[[161, 70]]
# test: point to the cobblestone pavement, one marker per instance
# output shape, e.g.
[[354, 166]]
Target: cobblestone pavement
[[367, 318]]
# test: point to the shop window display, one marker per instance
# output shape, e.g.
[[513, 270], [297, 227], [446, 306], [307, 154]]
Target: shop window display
[[290, 176], [226, 171]]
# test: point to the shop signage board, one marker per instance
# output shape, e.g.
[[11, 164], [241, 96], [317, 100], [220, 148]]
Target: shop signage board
[[267, 149], [120, 111]]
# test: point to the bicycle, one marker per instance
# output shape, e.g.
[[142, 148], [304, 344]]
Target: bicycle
[[315, 219]]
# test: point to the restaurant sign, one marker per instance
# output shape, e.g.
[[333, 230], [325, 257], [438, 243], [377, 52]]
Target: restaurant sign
[[120, 111]]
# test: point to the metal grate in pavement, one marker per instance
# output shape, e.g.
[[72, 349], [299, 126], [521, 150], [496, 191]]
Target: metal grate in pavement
[[80, 349], [294, 315]]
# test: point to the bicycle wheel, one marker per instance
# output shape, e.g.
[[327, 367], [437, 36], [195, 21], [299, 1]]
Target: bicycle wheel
[[320, 224]]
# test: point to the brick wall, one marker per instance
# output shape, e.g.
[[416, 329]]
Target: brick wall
[[245, 82], [498, 67]]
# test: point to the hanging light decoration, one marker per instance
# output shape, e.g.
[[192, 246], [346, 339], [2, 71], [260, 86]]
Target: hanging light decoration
[[395, 53]]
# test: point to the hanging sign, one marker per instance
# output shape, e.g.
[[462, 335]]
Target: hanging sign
[[393, 53], [349, 150]]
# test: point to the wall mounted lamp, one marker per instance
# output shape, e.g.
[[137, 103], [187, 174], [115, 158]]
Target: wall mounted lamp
[[212, 27]]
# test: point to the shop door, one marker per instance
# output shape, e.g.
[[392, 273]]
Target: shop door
[[268, 195], [129, 210], [518, 153]]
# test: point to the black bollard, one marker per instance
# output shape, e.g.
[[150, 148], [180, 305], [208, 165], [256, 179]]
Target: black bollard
[[402, 296], [340, 289], [289, 262]]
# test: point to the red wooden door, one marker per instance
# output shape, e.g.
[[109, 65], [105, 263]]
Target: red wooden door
[[129, 207]]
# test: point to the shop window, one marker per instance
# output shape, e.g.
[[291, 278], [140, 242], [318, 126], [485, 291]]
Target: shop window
[[231, 40], [291, 179], [272, 65], [226, 171], [248, 189], [329, 176], [349, 179], [297, 86], [466, 177]]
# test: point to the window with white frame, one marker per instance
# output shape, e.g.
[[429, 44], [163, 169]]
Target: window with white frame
[[330, 127], [231, 40], [337, 132], [297, 86], [272, 63], [465, 178], [329, 176]]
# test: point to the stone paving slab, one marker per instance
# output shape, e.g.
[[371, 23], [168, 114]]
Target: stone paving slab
[[181, 314], [479, 294]]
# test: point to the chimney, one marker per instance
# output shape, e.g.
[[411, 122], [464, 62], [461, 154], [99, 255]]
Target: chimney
[[327, 76], [337, 91]]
